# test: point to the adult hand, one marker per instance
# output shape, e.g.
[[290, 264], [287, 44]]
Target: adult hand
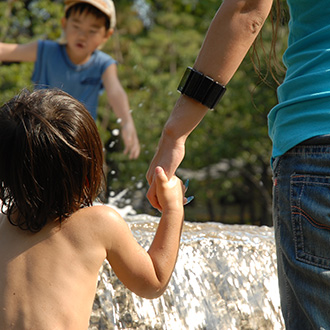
[[169, 155]]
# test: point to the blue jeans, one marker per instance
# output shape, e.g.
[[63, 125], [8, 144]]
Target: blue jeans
[[301, 210]]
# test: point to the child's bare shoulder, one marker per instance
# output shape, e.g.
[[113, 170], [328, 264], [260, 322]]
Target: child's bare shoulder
[[101, 220], [93, 228], [101, 213]]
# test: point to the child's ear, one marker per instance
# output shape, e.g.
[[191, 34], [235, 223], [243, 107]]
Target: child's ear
[[109, 33], [63, 22]]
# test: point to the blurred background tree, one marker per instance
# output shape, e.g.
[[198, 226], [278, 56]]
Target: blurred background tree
[[227, 157]]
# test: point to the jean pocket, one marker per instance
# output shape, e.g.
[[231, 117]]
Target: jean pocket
[[310, 214]]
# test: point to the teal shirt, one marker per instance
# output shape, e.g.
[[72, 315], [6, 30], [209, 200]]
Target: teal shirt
[[303, 110]]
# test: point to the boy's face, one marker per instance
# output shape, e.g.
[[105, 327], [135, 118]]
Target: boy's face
[[84, 33]]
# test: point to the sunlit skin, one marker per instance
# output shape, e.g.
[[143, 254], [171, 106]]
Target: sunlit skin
[[48, 279], [84, 34], [230, 35]]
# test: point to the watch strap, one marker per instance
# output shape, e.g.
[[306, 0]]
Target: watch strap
[[201, 88]]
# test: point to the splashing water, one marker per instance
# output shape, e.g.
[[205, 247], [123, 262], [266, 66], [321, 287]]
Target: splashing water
[[225, 278], [114, 200]]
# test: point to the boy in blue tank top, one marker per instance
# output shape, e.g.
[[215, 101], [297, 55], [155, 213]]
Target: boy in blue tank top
[[77, 66]]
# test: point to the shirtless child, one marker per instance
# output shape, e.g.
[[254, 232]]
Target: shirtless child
[[52, 240]]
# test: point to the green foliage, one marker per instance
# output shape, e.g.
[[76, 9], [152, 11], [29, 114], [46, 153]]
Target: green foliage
[[153, 43]]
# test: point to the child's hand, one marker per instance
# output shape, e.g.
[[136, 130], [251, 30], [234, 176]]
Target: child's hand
[[131, 141], [170, 192]]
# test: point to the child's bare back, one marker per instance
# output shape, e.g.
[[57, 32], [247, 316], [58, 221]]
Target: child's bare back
[[49, 266], [48, 279]]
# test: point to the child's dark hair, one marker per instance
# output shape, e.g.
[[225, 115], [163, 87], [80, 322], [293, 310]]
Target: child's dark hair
[[51, 158], [82, 7]]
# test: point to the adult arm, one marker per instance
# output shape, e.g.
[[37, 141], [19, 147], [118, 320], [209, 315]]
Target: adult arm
[[230, 35], [19, 52], [118, 100]]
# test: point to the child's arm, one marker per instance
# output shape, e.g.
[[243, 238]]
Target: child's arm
[[118, 100], [148, 273], [18, 52]]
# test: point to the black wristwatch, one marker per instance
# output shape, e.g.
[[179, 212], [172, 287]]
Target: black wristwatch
[[201, 88]]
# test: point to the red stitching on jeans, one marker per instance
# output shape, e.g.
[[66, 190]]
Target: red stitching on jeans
[[309, 218], [298, 176]]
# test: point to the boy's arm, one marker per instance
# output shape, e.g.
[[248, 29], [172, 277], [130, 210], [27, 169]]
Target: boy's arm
[[18, 52], [118, 100], [148, 273]]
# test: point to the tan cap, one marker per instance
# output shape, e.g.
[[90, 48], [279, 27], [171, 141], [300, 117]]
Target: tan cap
[[105, 6]]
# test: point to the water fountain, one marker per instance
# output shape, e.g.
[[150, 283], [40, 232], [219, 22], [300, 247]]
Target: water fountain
[[224, 279]]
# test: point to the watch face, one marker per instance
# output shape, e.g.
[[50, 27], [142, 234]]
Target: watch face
[[184, 79]]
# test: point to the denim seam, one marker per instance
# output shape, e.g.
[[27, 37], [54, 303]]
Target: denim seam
[[290, 307], [279, 225], [297, 235]]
